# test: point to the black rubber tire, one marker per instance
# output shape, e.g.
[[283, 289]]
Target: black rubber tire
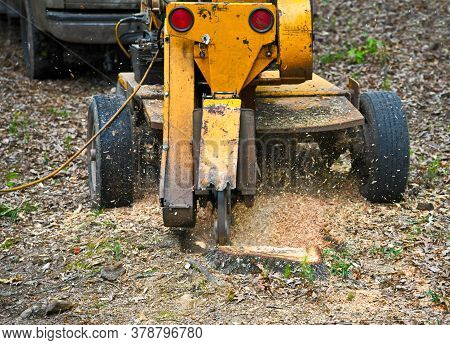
[[382, 160], [43, 56], [223, 221], [112, 174]]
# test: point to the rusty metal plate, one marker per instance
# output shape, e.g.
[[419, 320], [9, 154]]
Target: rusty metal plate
[[305, 114], [311, 255], [316, 87], [154, 112], [145, 92], [219, 143]]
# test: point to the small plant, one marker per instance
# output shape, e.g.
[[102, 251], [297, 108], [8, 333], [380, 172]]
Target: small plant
[[165, 315], [87, 256], [8, 212], [434, 296], [231, 295], [101, 305], [109, 224], [13, 127], [117, 250], [433, 169], [332, 57], [10, 179], [8, 243], [19, 121], [307, 272], [386, 84], [59, 112], [287, 271], [358, 54], [98, 212], [13, 212], [351, 296], [68, 142], [27, 207], [80, 265], [338, 262], [46, 158], [415, 232], [356, 75], [390, 251]]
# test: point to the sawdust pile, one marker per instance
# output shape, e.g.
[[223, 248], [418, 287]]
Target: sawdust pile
[[284, 220]]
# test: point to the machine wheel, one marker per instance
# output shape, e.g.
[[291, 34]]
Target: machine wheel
[[223, 222], [110, 157], [43, 57], [382, 156]]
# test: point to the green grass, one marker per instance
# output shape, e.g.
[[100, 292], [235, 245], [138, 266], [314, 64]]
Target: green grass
[[27, 207], [80, 264], [389, 251], [13, 127], [11, 179], [332, 57], [358, 54], [9, 212], [117, 250], [101, 305], [18, 125], [8, 243], [434, 296], [231, 295], [392, 252], [415, 233], [433, 169], [307, 272], [108, 224], [46, 158], [68, 142], [287, 273], [12, 213], [165, 315], [339, 262], [351, 296], [386, 84], [108, 248], [98, 212], [59, 112]]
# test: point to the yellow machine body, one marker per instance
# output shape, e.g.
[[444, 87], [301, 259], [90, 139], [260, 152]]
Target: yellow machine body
[[219, 143], [230, 55], [224, 84], [237, 80]]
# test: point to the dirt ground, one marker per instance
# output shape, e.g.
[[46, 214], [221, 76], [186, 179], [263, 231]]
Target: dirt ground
[[382, 263]]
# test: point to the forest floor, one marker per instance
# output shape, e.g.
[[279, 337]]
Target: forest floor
[[381, 263]]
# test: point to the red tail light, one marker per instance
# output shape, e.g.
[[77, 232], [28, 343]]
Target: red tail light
[[181, 19], [261, 20]]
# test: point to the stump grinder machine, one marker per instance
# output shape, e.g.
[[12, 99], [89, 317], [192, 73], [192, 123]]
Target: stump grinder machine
[[224, 77]]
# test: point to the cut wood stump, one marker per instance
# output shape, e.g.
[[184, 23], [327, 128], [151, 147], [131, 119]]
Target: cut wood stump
[[310, 255]]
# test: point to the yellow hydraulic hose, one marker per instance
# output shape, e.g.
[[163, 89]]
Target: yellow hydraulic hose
[[75, 155], [116, 33]]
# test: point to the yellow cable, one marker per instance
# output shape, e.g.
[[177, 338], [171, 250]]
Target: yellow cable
[[155, 20], [116, 33], [119, 42], [74, 156]]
